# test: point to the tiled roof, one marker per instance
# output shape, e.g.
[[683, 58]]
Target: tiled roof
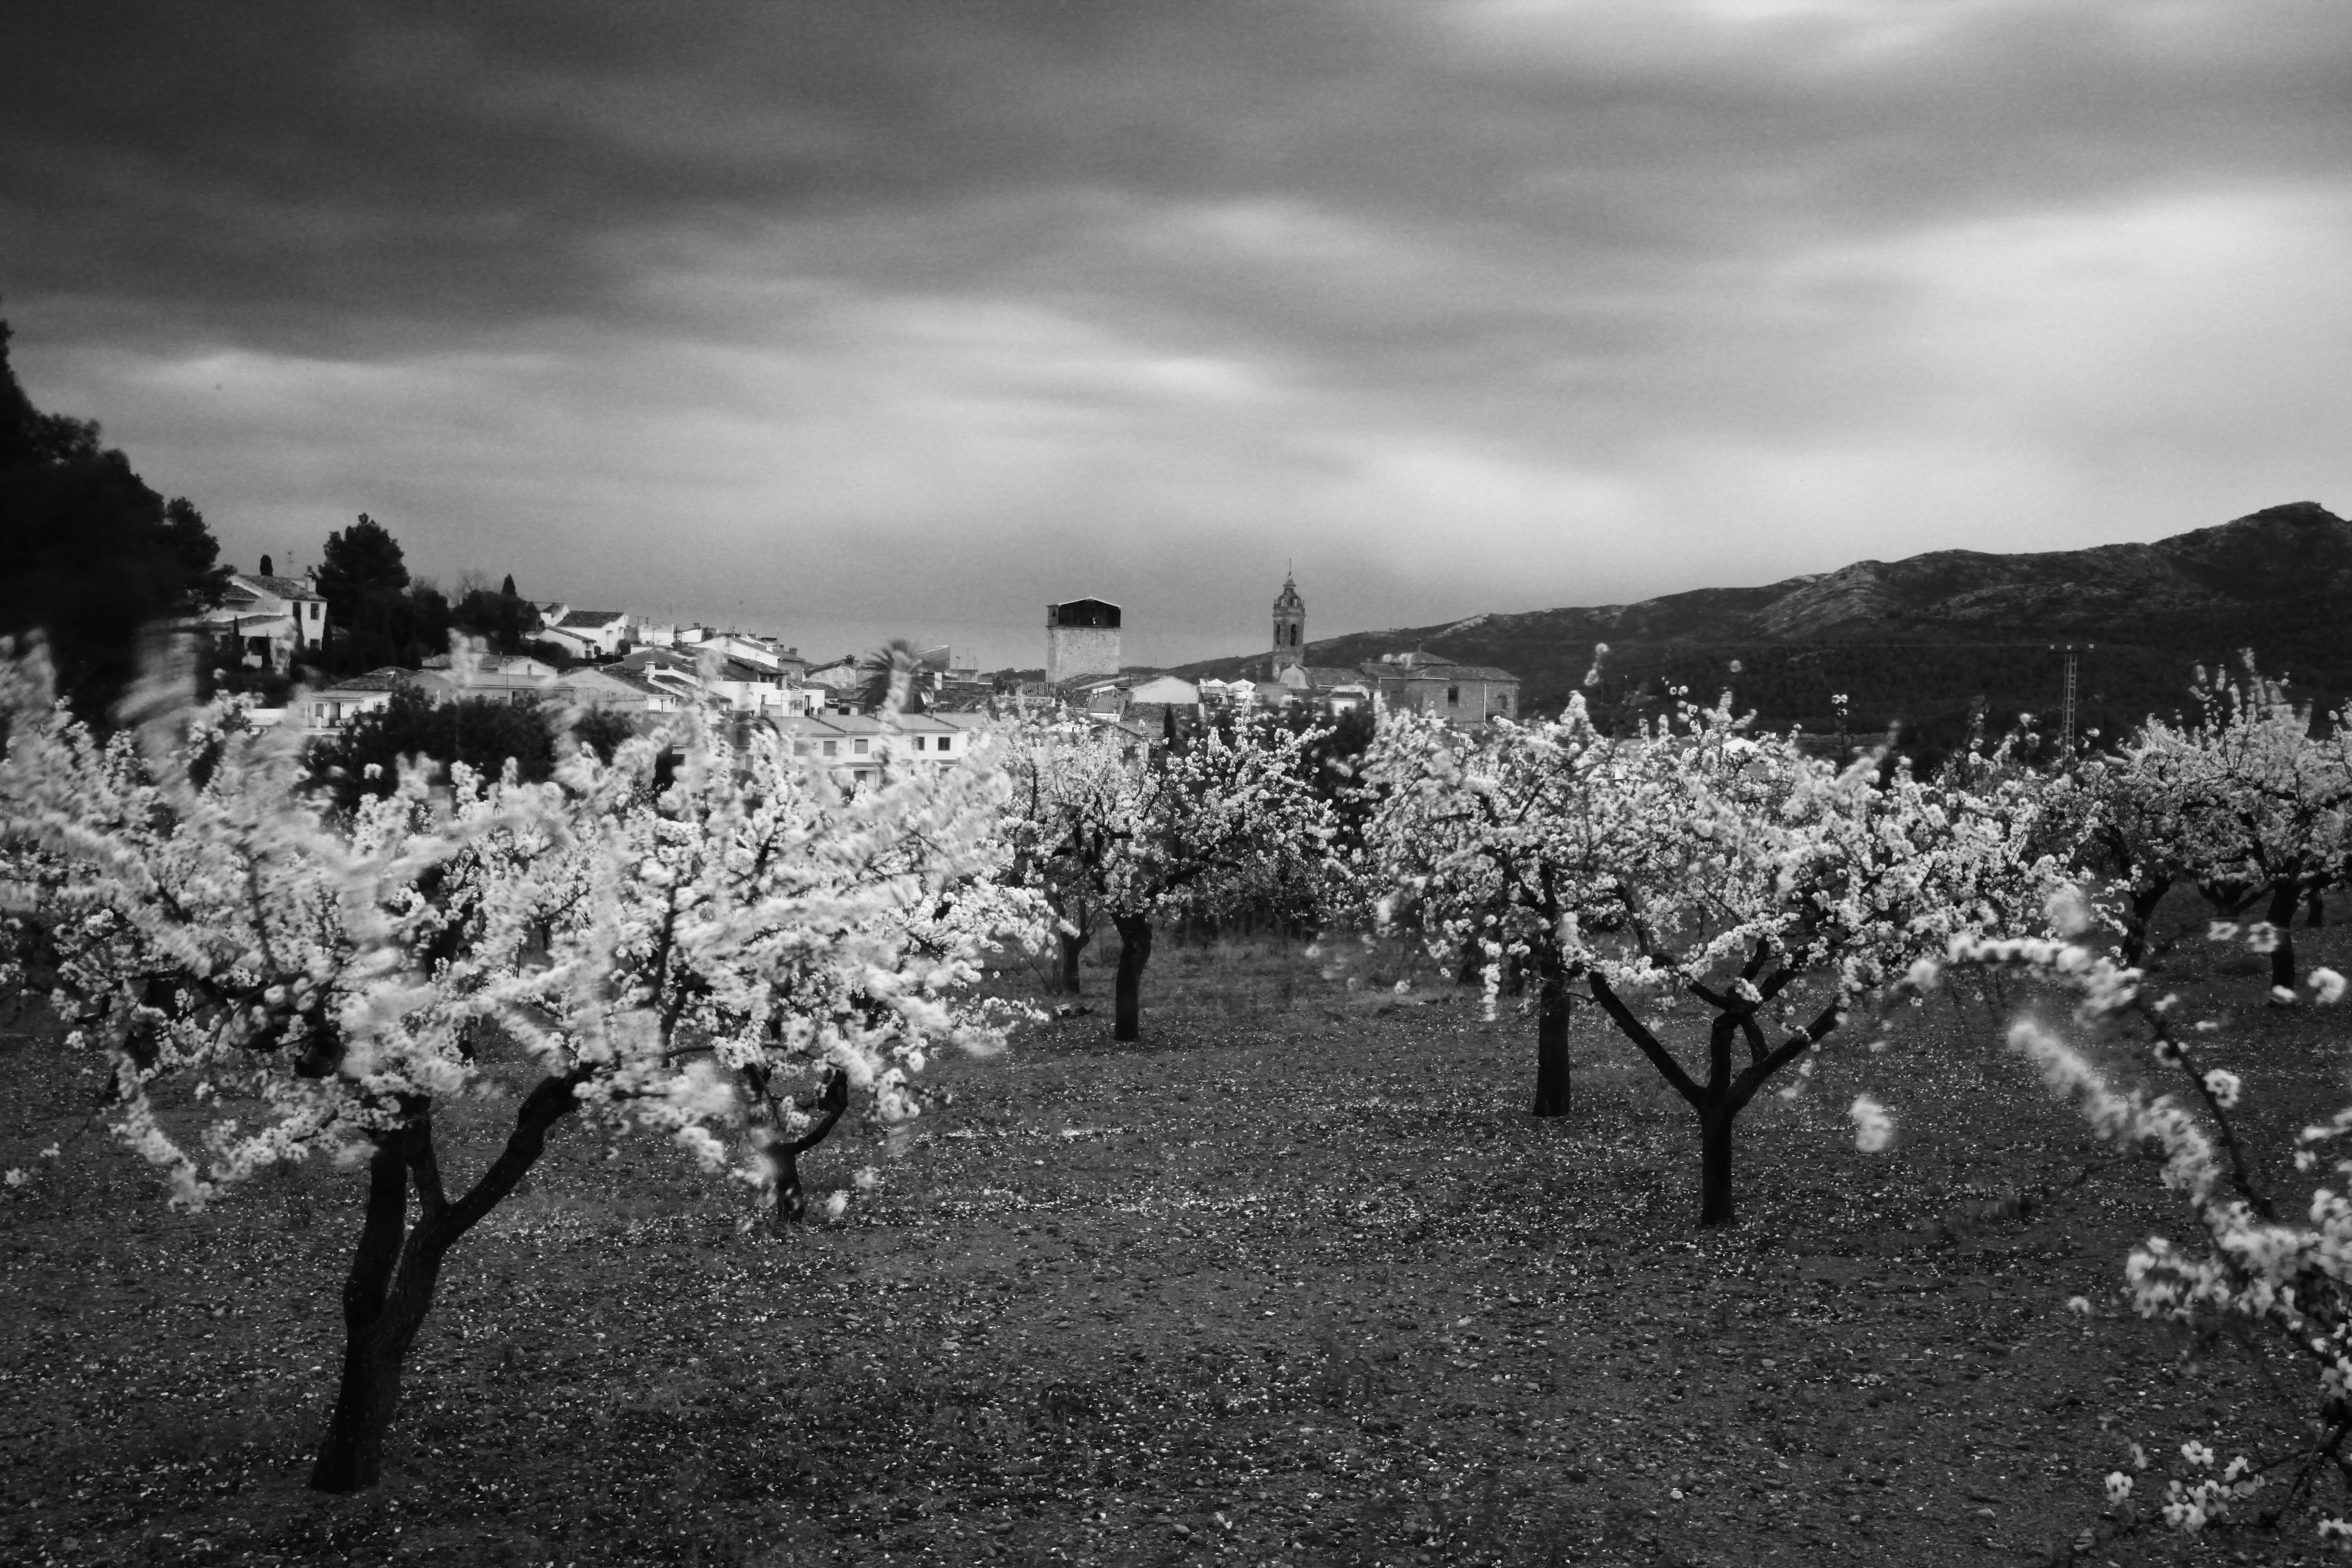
[[635, 682], [247, 587], [284, 587], [1448, 672], [387, 677], [669, 680], [592, 619]]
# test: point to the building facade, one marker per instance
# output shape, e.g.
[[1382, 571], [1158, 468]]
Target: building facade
[[1463, 694], [1081, 638]]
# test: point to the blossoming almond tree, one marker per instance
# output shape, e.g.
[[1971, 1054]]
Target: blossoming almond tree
[[680, 964], [1219, 819], [2265, 803], [1496, 845], [1068, 781], [2139, 830], [1765, 878], [2287, 1279]]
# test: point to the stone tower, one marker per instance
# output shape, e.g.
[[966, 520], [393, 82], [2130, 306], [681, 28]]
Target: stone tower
[[1081, 638], [1289, 627]]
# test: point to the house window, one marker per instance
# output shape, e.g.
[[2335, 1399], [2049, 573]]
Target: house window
[[1453, 696], [861, 752], [918, 743], [943, 742], [833, 748]]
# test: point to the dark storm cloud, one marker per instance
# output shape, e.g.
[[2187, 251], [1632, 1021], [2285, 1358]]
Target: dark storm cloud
[[1626, 297], [466, 157]]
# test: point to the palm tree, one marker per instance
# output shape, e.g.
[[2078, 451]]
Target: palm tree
[[889, 680]]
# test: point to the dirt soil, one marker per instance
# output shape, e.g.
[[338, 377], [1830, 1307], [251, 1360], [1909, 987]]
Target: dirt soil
[[1296, 1280]]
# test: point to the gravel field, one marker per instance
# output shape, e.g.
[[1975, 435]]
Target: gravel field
[[1294, 1280]]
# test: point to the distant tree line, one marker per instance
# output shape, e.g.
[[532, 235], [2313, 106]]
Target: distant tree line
[[91, 557], [384, 617], [88, 553], [1931, 697]]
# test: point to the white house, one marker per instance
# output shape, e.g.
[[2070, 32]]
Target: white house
[[862, 745], [840, 676], [934, 737], [589, 634], [671, 637], [622, 690], [1237, 693], [1167, 690], [500, 677], [755, 650], [1335, 689], [331, 706], [270, 618]]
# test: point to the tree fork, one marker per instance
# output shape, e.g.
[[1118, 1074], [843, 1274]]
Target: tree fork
[[351, 1455], [389, 1291], [784, 1153]]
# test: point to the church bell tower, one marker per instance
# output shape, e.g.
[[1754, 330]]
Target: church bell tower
[[1289, 627]]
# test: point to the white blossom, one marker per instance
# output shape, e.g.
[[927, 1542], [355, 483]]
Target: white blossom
[[1874, 1129]]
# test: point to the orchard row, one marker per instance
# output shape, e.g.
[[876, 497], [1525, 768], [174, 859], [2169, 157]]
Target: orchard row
[[723, 944]]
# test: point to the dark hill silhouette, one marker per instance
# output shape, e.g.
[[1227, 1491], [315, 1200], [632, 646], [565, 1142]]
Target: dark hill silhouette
[[1923, 642]]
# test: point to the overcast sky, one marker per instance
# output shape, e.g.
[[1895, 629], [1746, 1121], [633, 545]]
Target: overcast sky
[[853, 318]]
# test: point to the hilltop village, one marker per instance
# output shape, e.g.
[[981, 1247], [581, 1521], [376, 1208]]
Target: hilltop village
[[620, 662]]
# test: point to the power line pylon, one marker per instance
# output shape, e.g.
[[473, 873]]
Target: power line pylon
[[2066, 702]]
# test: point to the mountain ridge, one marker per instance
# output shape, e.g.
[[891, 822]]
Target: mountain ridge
[[1968, 623]]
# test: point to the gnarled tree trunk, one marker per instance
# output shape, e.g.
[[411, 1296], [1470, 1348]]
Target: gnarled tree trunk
[[2284, 897], [1134, 953], [394, 1271], [1715, 1125], [784, 1153], [1552, 1047], [2144, 901]]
